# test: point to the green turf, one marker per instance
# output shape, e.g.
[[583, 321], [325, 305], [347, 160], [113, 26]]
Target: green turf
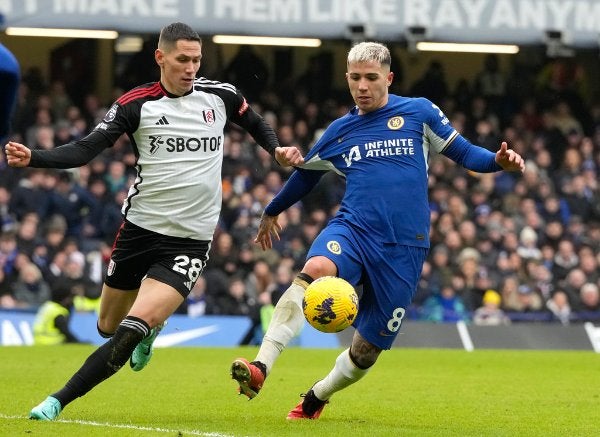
[[188, 391]]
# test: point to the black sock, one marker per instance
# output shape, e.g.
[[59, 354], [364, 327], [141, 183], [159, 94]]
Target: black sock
[[105, 361], [102, 333], [261, 366], [305, 277]]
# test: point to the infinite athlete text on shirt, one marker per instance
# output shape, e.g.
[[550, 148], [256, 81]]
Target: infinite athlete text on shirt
[[390, 147]]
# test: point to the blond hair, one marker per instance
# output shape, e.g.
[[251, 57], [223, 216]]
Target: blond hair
[[370, 51]]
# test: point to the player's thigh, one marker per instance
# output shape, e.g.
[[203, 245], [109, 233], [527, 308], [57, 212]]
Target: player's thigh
[[156, 301], [392, 276], [114, 306], [175, 268], [337, 244]]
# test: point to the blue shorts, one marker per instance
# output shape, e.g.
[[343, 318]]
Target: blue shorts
[[388, 272]]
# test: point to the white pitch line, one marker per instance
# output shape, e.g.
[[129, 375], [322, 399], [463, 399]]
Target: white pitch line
[[465, 337], [124, 426]]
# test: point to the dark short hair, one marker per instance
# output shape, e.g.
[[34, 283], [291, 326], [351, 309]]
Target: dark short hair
[[172, 33]]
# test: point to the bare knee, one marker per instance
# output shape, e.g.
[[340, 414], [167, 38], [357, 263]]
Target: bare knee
[[107, 326], [363, 353], [319, 266]]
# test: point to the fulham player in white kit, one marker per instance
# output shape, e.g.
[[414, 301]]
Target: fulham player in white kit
[[176, 128]]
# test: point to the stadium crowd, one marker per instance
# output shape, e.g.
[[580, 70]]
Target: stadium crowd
[[505, 247]]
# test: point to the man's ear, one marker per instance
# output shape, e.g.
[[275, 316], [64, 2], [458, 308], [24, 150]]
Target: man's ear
[[159, 57]]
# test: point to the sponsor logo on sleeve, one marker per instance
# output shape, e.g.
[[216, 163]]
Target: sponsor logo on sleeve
[[243, 108], [111, 114], [334, 247]]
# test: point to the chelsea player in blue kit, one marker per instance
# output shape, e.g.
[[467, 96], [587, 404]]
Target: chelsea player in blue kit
[[10, 74], [380, 235]]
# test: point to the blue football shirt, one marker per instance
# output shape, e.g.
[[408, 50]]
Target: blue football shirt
[[384, 157]]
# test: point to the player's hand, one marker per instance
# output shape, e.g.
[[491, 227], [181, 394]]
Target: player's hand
[[17, 155], [288, 156], [508, 159], [269, 225]]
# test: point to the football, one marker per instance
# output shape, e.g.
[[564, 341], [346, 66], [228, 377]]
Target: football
[[330, 304]]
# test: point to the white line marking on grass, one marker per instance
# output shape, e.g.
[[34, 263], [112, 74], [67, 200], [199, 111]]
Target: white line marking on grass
[[465, 337], [594, 335], [124, 426]]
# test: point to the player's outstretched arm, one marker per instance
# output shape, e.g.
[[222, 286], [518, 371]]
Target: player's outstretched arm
[[17, 155], [508, 159], [288, 156], [269, 225]]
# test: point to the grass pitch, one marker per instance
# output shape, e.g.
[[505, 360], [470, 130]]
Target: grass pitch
[[410, 392]]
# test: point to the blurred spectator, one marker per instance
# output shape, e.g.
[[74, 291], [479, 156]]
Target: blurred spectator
[[8, 256], [589, 264], [310, 81], [43, 119], [444, 307], [564, 119], [568, 168], [528, 300], [30, 289], [248, 71], [490, 83], [528, 248], [29, 195], [555, 208], [572, 284], [559, 307], [490, 314], [552, 140], [27, 234], [260, 280], [74, 271], [93, 222], [470, 270], [579, 198], [441, 272], [51, 324], [72, 202], [589, 297], [540, 278], [62, 132], [565, 259], [8, 221], [223, 255], [116, 178], [432, 84], [242, 230], [60, 100], [553, 233], [509, 291], [7, 300], [283, 277], [195, 304], [468, 233]]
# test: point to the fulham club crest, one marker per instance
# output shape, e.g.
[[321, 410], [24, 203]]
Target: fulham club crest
[[209, 116]]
